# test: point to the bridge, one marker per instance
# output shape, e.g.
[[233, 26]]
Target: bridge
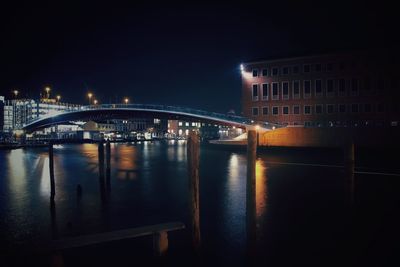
[[129, 111]]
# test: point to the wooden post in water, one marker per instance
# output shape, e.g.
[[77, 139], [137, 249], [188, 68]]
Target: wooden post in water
[[101, 170], [349, 165], [108, 165], [160, 243], [193, 156], [251, 191], [51, 167]]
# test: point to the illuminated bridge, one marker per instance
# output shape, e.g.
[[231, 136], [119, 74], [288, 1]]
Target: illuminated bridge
[[130, 111]]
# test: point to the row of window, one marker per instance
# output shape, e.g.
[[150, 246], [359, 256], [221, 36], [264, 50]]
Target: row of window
[[296, 69], [347, 123], [318, 109], [308, 86]]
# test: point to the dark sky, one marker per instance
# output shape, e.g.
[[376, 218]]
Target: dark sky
[[185, 55]]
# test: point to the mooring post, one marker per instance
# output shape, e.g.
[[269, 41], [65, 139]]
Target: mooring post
[[101, 170], [51, 167], [349, 165], [108, 165], [160, 243], [251, 191], [193, 155]]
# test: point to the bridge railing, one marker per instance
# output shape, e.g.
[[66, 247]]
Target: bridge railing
[[166, 108]]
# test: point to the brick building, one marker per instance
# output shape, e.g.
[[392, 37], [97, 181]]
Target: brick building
[[349, 89]]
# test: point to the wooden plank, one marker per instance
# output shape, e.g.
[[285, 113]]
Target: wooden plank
[[94, 239]]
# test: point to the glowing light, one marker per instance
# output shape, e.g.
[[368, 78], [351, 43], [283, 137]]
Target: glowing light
[[95, 101], [15, 93], [257, 127], [273, 127], [126, 100], [47, 89], [58, 98]]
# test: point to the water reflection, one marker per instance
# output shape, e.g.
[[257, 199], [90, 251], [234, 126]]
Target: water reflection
[[125, 162], [261, 188]]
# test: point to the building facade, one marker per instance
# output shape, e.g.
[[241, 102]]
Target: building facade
[[342, 90]]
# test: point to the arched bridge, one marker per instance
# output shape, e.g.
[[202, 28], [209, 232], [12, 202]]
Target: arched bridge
[[129, 111]]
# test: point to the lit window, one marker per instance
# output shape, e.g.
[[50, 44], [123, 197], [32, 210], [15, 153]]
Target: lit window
[[186, 124], [193, 124]]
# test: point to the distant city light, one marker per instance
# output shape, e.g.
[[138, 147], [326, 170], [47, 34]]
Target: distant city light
[[126, 100], [95, 101], [15, 93], [241, 67], [58, 98], [90, 97], [47, 91], [257, 127]]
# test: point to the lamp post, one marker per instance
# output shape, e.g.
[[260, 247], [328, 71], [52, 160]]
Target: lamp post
[[58, 98], [47, 92], [126, 100], [90, 97], [15, 92], [95, 101]]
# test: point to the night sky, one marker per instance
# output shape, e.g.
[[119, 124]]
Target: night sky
[[186, 55]]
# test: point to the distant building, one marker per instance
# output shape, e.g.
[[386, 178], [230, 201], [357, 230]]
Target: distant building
[[340, 90], [181, 129]]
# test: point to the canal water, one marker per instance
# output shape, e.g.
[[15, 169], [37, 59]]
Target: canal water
[[306, 210]]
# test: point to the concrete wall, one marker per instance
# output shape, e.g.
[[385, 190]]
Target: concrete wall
[[330, 137]]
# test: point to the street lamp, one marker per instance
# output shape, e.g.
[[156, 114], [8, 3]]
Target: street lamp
[[58, 98], [126, 100], [95, 101], [90, 97], [15, 92], [47, 91]]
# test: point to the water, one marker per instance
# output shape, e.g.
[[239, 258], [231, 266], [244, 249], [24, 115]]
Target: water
[[304, 213]]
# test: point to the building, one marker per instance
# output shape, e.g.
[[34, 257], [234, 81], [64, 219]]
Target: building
[[1, 113], [338, 90], [181, 129]]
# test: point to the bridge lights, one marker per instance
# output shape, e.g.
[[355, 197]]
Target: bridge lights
[[58, 98], [241, 67], [15, 92], [126, 100], [95, 101]]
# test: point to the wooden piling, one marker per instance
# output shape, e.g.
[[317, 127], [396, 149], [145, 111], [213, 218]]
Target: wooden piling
[[193, 156], [101, 170], [160, 243], [251, 191], [108, 165], [51, 167]]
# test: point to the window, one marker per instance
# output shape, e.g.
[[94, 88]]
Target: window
[[193, 124], [306, 68], [342, 87], [367, 108], [295, 69], [354, 87], [318, 88], [275, 110], [285, 110], [354, 108], [285, 90], [275, 91], [307, 89], [307, 109], [255, 92], [367, 84], [330, 108], [296, 89], [329, 66], [296, 109], [180, 123], [265, 110], [265, 91], [186, 124], [318, 67], [255, 72], [329, 87], [264, 72], [285, 70], [342, 108], [255, 111], [274, 71], [308, 124], [318, 109]]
